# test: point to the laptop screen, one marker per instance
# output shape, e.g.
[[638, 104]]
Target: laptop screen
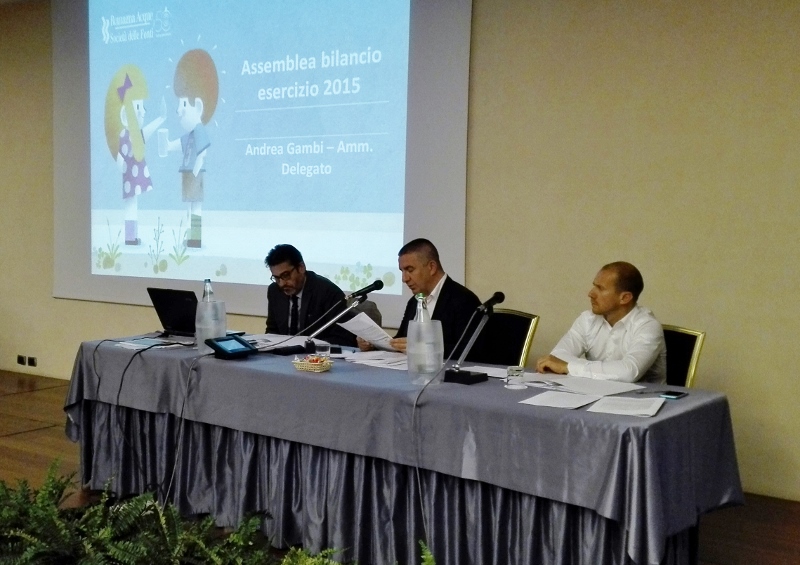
[[176, 309]]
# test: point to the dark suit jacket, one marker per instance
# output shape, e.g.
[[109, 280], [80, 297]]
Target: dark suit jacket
[[454, 307], [319, 294]]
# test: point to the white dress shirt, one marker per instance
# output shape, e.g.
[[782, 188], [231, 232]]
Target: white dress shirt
[[633, 349]]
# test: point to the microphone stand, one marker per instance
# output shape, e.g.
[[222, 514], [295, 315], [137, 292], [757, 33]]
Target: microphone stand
[[455, 374], [310, 347]]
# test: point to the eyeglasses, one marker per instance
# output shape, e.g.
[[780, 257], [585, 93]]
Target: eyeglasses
[[284, 276]]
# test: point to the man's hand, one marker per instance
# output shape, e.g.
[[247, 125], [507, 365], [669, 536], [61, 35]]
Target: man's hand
[[399, 343], [551, 364], [364, 345]]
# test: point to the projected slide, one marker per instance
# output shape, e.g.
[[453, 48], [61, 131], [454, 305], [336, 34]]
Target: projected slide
[[220, 129]]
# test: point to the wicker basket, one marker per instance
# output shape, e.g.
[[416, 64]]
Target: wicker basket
[[306, 365]]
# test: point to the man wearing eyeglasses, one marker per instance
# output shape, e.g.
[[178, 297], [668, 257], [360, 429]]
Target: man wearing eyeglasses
[[298, 298]]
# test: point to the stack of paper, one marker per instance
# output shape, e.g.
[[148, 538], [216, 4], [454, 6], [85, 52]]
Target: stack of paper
[[497, 372], [580, 385], [385, 359], [574, 392], [265, 342], [147, 342]]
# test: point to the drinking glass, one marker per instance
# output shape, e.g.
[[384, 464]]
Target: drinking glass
[[323, 350], [514, 375]]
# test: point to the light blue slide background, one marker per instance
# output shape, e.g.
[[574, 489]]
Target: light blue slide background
[[263, 31]]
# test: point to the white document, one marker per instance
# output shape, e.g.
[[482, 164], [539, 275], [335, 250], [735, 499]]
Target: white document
[[147, 342], [644, 407], [265, 342], [497, 372], [550, 384], [366, 328], [385, 359], [596, 387], [555, 399]]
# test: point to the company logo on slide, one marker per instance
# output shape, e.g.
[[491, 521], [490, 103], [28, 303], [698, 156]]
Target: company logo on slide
[[137, 26]]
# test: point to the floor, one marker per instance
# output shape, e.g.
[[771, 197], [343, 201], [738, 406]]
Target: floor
[[32, 428], [766, 531]]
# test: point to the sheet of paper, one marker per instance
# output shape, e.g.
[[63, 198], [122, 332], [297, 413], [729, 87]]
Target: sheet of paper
[[496, 372], [556, 399], [265, 342], [549, 384], [643, 407], [385, 359], [145, 342], [596, 387], [366, 328]]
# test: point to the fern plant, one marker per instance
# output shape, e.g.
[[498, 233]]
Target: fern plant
[[298, 556], [427, 556], [139, 530], [33, 529], [30, 529]]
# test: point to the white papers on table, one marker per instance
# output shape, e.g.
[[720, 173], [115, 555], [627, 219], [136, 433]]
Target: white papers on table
[[365, 328], [385, 359], [582, 385], [628, 406], [497, 372], [556, 399], [147, 342], [265, 342], [551, 384], [574, 392]]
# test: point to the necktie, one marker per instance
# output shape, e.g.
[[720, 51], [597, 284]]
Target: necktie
[[294, 317]]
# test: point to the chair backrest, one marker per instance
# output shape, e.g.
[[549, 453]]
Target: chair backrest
[[506, 338], [683, 352], [371, 309]]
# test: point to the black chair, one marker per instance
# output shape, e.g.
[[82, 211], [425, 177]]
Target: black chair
[[505, 339], [369, 308], [683, 352]]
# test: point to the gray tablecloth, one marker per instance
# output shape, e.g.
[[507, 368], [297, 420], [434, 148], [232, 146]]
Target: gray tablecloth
[[655, 476]]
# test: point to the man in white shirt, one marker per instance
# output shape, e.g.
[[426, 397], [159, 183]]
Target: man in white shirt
[[618, 339]]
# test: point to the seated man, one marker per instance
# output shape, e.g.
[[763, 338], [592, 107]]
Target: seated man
[[618, 339], [297, 298], [447, 301]]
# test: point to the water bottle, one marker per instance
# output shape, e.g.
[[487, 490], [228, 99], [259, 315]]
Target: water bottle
[[425, 345], [208, 292], [210, 320], [422, 309]]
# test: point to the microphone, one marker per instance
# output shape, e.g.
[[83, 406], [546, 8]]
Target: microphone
[[377, 285], [496, 298]]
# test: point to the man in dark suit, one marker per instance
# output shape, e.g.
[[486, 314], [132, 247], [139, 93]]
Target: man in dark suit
[[298, 297], [448, 301]]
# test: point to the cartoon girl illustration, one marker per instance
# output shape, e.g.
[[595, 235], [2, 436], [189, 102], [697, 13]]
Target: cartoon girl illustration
[[196, 85], [126, 136]]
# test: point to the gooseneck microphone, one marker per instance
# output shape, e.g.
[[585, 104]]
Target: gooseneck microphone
[[455, 374], [496, 298], [377, 285]]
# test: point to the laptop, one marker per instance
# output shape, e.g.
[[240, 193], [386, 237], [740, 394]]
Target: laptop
[[176, 310]]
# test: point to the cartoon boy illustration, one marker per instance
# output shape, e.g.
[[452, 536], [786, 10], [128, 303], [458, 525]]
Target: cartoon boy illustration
[[126, 138], [197, 87]]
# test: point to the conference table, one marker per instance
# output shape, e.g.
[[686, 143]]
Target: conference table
[[361, 459]]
